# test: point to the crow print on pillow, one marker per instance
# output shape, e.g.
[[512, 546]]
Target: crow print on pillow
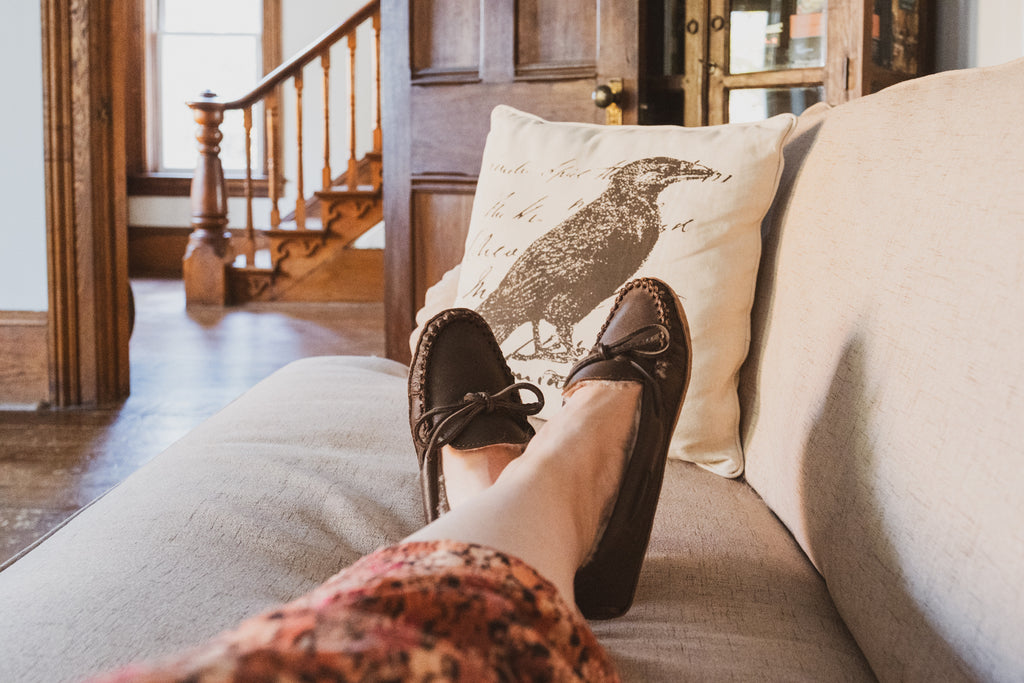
[[585, 259], [566, 213]]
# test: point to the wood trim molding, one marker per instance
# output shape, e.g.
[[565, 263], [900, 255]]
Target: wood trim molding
[[173, 185], [86, 202], [24, 364], [156, 251], [446, 183]]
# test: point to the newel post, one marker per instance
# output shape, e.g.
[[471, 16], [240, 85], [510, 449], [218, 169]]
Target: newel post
[[207, 257]]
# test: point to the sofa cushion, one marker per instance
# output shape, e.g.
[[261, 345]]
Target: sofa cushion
[[884, 392], [254, 507], [567, 213], [313, 468]]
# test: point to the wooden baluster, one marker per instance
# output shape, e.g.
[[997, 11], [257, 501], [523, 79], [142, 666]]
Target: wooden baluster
[[272, 164], [325, 62], [205, 265], [250, 230], [300, 201], [378, 138], [353, 170]]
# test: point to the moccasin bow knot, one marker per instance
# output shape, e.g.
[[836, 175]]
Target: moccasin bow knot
[[462, 393], [649, 341], [453, 419]]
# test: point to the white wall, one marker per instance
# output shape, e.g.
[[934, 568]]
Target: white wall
[[978, 33], [23, 281]]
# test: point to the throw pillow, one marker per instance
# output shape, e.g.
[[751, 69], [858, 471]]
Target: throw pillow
[[566, 213]]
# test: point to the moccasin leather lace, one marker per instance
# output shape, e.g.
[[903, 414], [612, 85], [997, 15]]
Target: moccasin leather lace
[[456, 417], [645, 342]]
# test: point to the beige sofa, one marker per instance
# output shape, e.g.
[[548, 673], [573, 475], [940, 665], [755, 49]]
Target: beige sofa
[[878, 530]]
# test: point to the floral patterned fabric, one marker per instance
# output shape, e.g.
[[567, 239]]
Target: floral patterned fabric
[[438, 611]]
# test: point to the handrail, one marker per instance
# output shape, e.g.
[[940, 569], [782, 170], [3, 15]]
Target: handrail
[[208, 256], [296, 63]]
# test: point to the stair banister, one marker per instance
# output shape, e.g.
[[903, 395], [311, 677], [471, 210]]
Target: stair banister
[[208, 256], [205, 263]]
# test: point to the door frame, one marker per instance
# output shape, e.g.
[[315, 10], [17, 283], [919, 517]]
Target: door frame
[[399, 284], [86, 201]]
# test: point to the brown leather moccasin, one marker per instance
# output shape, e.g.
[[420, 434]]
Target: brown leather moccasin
[[462, 393], [645, 339]]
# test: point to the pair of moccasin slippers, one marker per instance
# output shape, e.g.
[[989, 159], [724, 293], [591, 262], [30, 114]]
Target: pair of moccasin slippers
[[462, 393]]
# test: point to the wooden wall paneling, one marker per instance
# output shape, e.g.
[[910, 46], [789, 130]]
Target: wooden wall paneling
[[467, 112], [24, 363], [441, 213], [498, 41], [434, 54], [555, 38], [618, 54], [84, 62], [155, 251]]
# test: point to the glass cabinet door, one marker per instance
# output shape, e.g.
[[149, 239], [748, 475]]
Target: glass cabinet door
[[673, 55], [895, 29], [767, 57], [715, 61]]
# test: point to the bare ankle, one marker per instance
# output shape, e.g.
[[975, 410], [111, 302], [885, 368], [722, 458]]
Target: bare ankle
[[586, 447], [468, 472]]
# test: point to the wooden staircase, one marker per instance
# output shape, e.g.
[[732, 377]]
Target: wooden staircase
[[307, 255], [318, 262]]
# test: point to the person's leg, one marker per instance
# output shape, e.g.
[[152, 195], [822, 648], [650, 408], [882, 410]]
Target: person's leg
[[468, 472], [600, 459], [546, 507]]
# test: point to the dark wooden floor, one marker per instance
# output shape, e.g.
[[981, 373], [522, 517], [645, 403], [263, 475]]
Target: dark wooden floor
[[184, 367]]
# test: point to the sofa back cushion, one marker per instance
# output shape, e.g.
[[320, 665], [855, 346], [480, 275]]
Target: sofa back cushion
[[883, 396]]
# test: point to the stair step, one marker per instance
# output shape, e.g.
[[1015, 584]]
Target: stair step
[[371, 239], [312, 223], [263, 262], [362, 190]]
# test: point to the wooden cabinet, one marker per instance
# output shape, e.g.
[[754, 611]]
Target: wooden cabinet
[[714, 61]]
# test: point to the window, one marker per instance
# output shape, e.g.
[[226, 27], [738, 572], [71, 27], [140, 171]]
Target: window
[[199, 44], [189, 46]]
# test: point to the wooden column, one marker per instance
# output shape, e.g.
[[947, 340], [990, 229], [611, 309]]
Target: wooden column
[[84, 58], [205, 266]]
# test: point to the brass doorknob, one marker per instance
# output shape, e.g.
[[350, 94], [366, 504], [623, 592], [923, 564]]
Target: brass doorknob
[[604, 96]]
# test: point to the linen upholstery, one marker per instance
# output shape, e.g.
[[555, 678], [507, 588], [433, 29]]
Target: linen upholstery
[[254, 507], [882, 396], [313, 468]]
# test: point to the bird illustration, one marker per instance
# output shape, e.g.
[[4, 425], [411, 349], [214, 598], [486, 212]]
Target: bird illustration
[[568, 271]]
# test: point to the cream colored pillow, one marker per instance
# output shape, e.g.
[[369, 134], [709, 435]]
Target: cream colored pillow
[[567, 213]]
